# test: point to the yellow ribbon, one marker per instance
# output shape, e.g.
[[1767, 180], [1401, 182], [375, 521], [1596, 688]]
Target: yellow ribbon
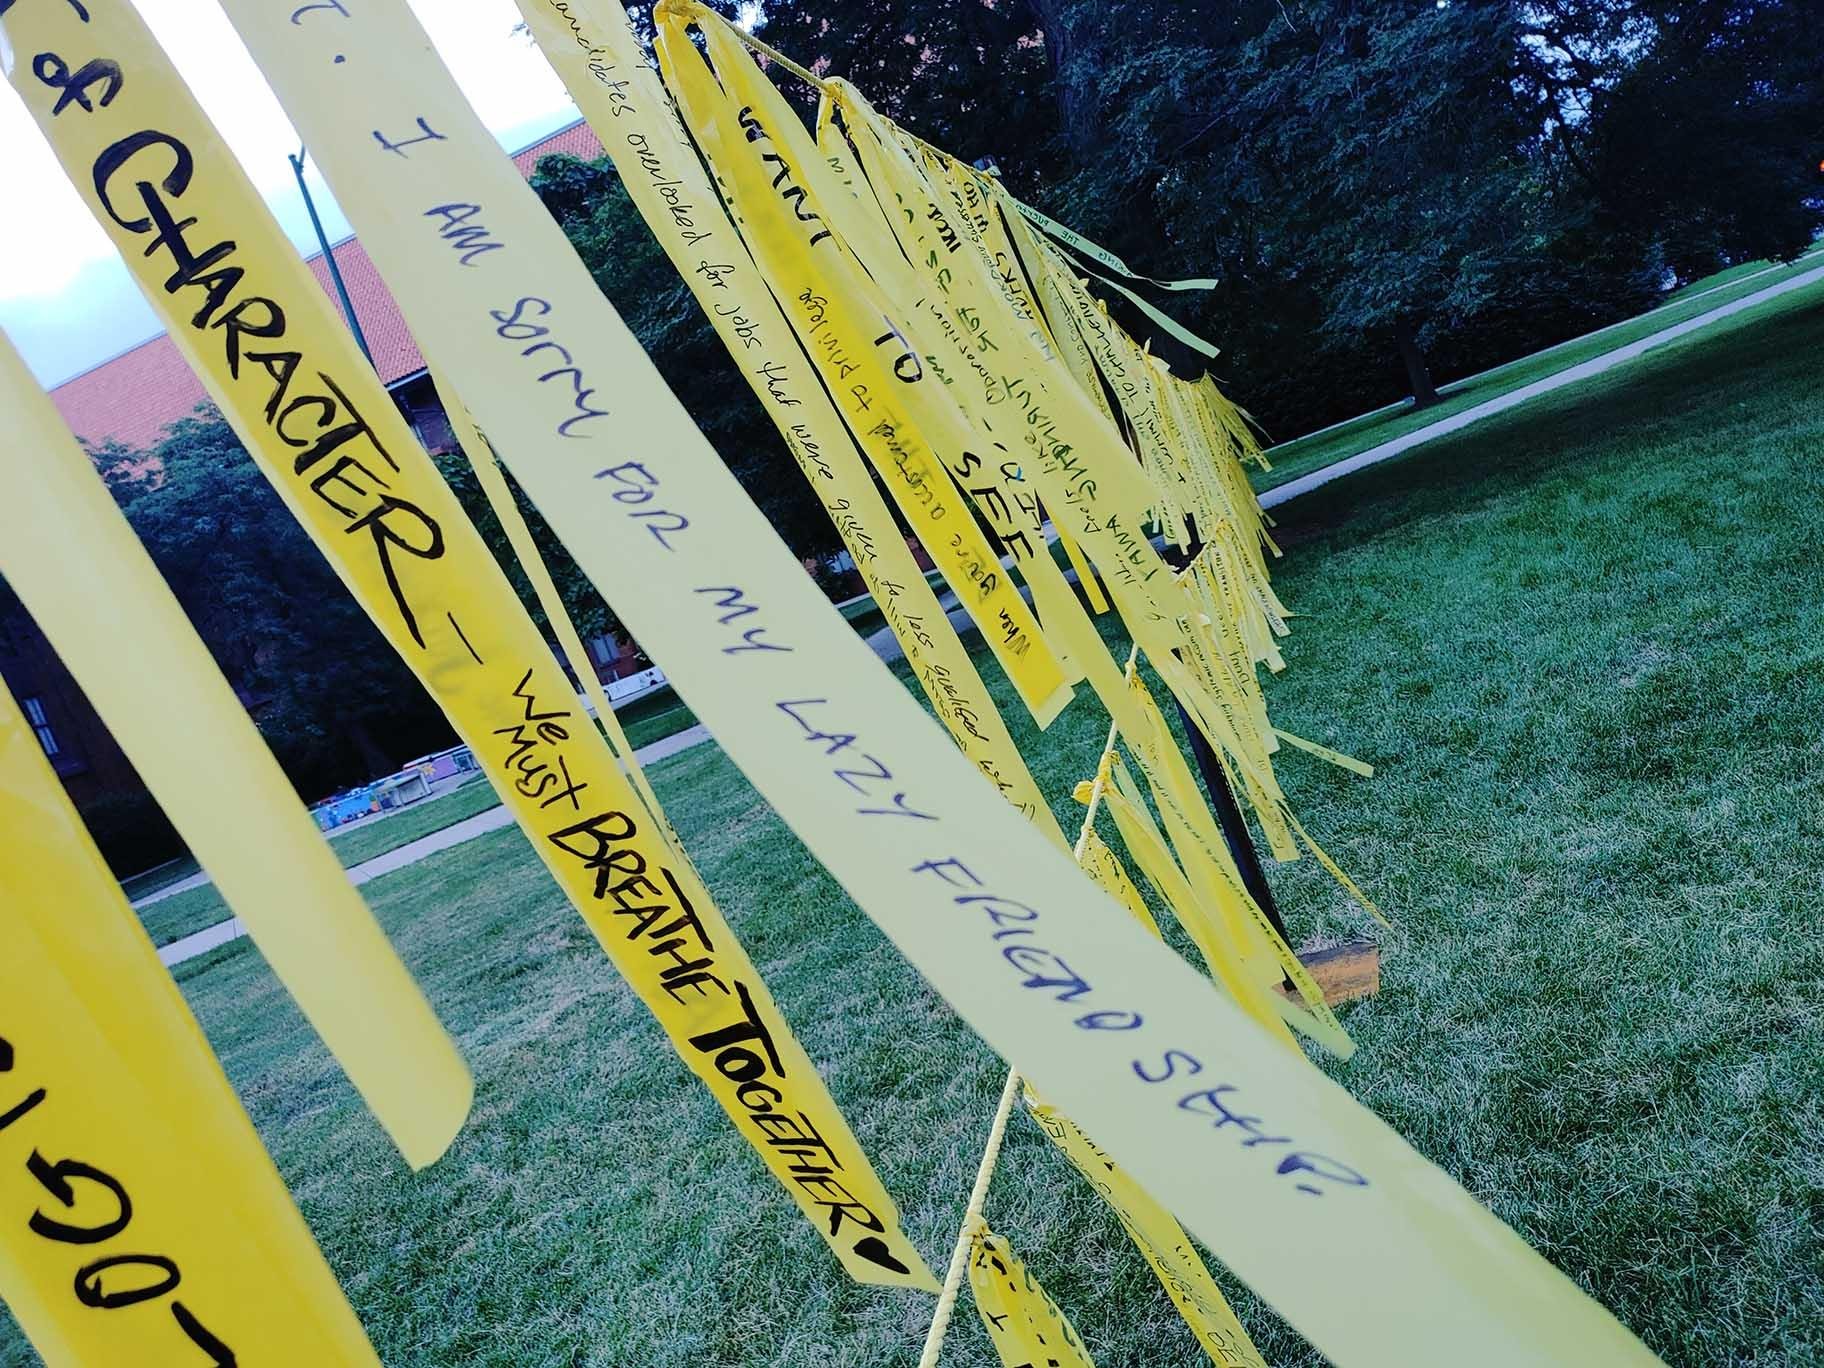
[[68, 552], [140, 1221], [1164, 1072], [317, 422]]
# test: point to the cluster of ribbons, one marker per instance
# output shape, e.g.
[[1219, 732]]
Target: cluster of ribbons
[[983, 360], [910, 328]]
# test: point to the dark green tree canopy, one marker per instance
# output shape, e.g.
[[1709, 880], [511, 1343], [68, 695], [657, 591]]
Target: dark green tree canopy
[[1447, 183], [331, 697], [1443, 182]]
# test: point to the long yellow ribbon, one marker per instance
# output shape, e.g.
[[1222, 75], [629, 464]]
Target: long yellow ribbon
[[263, 338], [140, 1221], [505, 508], [876, 377], [593, 48], [1166, 1074], [67, 551], [1023, 1323]]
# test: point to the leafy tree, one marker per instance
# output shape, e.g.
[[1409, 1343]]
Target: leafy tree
[[331, 697], [1476, 176], [1396, 158], [1357, 173], [1692, 128], [971, 76]]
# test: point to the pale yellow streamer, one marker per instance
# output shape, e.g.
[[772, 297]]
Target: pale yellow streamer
[[127, 1168], [1373, 1253], [67, 551]]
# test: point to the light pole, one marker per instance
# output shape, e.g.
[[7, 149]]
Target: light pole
[[329, 258]]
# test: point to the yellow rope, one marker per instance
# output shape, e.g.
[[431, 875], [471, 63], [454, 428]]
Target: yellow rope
[[692, 10], [972, 1216], [997, 1129]]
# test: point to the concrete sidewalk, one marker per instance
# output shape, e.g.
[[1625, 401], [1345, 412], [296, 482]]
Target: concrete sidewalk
[[438, 790], [1304, 484], [202, 942]]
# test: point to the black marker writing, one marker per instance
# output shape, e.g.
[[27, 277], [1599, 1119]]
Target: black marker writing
[[516, 325], [86, 1206], [428, 135], [320, 425], [74, 88], [734, 600], [297, 15], [469, 239]]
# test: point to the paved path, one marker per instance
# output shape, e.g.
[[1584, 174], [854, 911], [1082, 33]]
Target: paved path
[[1456, 385], [670, 745], [201, 942], [197, 880], [171, 890], [1304, 484]]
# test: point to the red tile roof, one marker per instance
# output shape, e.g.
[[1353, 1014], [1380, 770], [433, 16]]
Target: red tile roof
[[133, 397], [578, 139], [395, 354]]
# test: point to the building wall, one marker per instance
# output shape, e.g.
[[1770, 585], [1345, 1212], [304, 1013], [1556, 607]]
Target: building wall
[[615, 657], [418, 400], [78, 746]]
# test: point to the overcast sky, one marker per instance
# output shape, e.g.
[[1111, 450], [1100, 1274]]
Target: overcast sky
[[65, 298]]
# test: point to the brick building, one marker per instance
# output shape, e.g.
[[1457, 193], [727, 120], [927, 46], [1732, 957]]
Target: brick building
[[78, 746], [132, 397]]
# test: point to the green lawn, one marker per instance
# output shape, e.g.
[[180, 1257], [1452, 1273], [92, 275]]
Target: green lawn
[[1581, 643], [181, 914], [1305, 454], [355, 847], [653, 718], [1726, 276]]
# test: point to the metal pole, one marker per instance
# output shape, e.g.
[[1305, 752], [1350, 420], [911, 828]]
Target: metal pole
[[1234, 826], [329, 257], [1216, 782]]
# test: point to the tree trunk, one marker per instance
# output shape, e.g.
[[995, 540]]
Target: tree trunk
[[1418, 374], [1076, 74]]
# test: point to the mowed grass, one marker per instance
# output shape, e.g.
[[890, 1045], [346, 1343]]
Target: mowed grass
[[159, 876], [1304, 454], [653, 718], [418, 819], [181, 914], [598, 1209], [1584, 644], [1581, 643]]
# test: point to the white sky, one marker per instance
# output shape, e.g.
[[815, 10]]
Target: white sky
[[65, 298]]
